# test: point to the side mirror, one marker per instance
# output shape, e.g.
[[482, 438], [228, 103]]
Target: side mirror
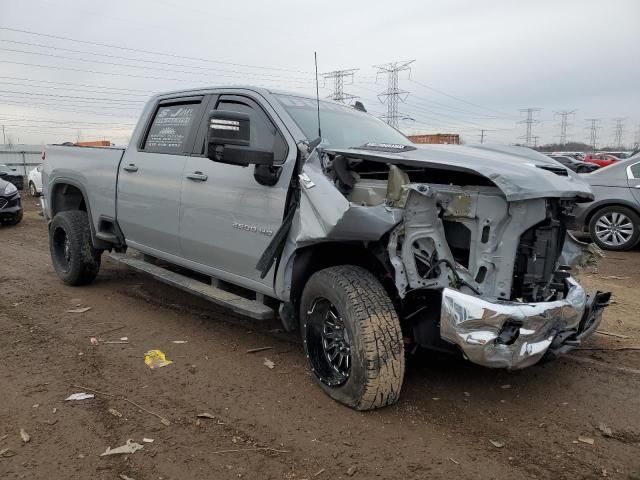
[[229, 140]]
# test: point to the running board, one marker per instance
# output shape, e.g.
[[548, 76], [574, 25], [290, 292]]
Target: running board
[[238, 304]]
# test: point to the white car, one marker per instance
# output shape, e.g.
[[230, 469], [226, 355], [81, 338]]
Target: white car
[[35, 181]]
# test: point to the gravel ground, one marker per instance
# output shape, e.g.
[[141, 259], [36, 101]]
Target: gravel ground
[[454, 420]]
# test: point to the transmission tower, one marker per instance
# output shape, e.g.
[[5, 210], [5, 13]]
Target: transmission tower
[[564, 114], [636, 139], [618, 132], [338, 77], [530, 121], [393, 95], [594, 125]]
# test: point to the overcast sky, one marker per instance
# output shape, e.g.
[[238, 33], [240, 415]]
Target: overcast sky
[[477, 63]]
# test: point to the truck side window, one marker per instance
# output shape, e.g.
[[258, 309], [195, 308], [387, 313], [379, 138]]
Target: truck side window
[[170, 128], [264, 134]]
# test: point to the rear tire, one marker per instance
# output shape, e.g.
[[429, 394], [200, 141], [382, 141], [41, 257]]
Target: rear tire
[[74, 259], [345, 313], [615, 228], [32, 190]]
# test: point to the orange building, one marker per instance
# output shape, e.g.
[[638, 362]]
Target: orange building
[[440, 138]]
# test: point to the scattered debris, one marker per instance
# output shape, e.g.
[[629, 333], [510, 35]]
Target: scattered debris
[[506, 386], [129, 447], [147, 440], [7, 452], [54, 410], [94, 341], [24, 435], [79, 310], [179, 341], [268, 363], [163, 420], [115, 412], [352, 470], [117, 342], [609, 348], [605, 430], [435, 398], [3, 437], [35, 405], [156, 359], [611, 334], [259, 349], [319, 472], [205, 415], [125, 477], [256, 449], [80, 396], [496, 443], [454, 461], [466, 394], [124, 339], [587, 440], [17, 304], [615, 277]]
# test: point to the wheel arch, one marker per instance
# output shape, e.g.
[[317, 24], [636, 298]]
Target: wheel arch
[[595, 208]]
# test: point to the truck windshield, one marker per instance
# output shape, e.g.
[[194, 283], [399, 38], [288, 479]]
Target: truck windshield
[[342, 126]]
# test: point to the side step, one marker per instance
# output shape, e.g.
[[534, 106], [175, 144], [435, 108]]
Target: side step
[[241, 305]]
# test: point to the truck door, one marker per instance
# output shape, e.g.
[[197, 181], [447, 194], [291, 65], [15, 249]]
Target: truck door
[[150, 177], [227, 216]]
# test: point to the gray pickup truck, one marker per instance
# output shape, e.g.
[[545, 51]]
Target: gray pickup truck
[[367, 244]]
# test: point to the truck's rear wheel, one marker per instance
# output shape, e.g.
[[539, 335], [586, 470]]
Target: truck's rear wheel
[[74, 259], [352, 337]]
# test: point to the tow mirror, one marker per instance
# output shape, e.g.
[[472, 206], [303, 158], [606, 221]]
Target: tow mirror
[[229, 140]]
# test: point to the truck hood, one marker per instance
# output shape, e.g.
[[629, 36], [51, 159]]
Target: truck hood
[[520, 173]]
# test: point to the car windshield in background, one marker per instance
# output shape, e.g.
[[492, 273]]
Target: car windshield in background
[[342, 126]]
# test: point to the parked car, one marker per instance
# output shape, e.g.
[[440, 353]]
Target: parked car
[[620, 155], [10, 204], [361, 240], [10, 175], [575, 155], [34, 180], [613, 217], [575, 165], [601, 159]]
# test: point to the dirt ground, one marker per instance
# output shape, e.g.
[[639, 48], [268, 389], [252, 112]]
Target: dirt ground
[[454, 420]]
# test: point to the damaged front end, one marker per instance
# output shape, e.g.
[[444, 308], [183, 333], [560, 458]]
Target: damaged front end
[[477, 256]]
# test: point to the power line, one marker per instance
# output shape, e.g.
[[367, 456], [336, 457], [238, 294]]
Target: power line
[[98, 44], [78, 85], [563, 124], [393, 95], [530, 121], [593, 132], [338, 77]]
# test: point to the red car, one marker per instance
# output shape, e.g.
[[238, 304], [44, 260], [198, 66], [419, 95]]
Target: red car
[[602, 159]]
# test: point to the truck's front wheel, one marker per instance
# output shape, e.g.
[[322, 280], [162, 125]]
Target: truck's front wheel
[[74, 259], [352, 337]]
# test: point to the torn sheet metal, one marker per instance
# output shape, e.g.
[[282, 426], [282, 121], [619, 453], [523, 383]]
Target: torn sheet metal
[[325, 214], [518, 172]]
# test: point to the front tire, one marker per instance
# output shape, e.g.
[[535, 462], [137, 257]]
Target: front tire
[[615, 228], [352, 337], [32, 190], [74, 259]]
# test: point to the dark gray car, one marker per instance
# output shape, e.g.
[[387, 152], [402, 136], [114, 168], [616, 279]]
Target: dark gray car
[[613, 218]]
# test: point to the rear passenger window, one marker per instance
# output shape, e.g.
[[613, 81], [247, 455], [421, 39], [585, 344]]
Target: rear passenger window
[[170, 128], [635, 170]]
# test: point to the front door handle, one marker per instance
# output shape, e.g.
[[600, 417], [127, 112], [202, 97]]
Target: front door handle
[[197, 176], [130, 168]]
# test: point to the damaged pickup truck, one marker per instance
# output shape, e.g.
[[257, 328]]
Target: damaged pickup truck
[[369, 245]]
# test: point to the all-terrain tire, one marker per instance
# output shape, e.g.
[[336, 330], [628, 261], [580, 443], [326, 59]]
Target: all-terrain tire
[[628, 223], [371, 322], [74, 259]]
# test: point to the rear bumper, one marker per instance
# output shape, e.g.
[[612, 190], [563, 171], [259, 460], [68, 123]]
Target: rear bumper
[[516, 335]]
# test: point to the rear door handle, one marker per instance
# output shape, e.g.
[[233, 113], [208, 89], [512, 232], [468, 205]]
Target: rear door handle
[[197, 176], [130, 168]]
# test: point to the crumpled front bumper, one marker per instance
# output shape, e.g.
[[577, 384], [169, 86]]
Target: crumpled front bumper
[[516, 335]]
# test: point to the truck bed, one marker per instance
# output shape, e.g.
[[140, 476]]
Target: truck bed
[[93, 169]]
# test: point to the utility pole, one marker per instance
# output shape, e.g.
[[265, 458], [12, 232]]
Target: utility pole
[[563, 124], [636, 139], [529, 122], [618, 132], [482, 135], [4, 139], [393, 95], [593, 134], [535, 141], [338, 77]]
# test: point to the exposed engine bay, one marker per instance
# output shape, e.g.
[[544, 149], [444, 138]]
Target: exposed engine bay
[[468, 238]]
